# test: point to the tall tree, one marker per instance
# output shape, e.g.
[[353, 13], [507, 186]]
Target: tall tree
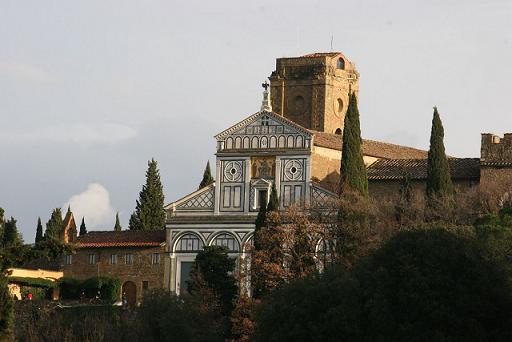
[[439, 181], [11, 235], [207, 176], [353, 176], [55, 225], [273, 203], [39, 231], [83, 228], [149, 211], [2, 224], [117, 226], [215, 267], [259, 224]]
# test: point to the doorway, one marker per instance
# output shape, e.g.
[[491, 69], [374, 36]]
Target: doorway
[[130, 292]]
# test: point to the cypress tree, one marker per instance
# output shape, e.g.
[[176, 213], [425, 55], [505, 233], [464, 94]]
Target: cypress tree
[[353, 176], [273, 203], [39, 231], [117, 226], [11, 234], [439, 181], [83, 228], [2, 224], [259, 224], [149, 211], [55, 225], [207, 176]]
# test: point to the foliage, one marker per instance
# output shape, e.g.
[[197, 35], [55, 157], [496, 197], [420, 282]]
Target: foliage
[[267, 261], [353, 171], [439, 181], [259, 224], [207, 176], [117, 226], [108, 288], [149, 212], [39, 231], [214, 266], [242, 319], [83, 228], [37, 282], [432, 284], [2, 224], [54, 226], [6, 310], [190, 317], [273, 203], [11, 237]]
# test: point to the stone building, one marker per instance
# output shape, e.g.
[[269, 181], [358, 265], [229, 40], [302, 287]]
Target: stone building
[[294, 142], [137, 258]]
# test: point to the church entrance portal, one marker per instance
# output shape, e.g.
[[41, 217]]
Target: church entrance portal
[[186, 267], [130, 292]]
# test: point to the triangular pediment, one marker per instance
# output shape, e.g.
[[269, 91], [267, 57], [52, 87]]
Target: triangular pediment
[[265, 130], [253, 123]]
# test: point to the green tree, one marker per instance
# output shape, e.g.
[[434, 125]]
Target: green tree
[[439, 181], [11, 235], [353, 176], [273, 203], [55, 225], [149, 211], [215, 267], [83, 228], [117, 226], [2, 224], [207, 176], [6, 309], [39, 231]]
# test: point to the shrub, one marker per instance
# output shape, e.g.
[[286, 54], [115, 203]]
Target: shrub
[[109, 288]]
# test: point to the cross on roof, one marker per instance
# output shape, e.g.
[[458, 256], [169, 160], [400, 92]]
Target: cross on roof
[[265, 85]]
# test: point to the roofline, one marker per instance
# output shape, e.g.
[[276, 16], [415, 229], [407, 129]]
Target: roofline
[[253, 117], [190, 195]]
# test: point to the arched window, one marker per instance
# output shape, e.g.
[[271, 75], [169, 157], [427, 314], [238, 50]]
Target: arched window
[[341, 64], [228, 241], [189, 243], [338, 131]]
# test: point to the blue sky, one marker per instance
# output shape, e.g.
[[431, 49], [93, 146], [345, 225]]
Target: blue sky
[[90, 90]]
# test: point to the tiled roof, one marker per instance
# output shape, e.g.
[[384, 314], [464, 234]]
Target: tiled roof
[[392, 169], [125, 238], [371, 147]]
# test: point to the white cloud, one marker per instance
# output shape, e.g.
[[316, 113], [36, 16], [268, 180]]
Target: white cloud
[[78, 133], [93, 204], [24, 72]]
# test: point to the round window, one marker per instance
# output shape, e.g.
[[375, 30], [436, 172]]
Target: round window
[[233, 171], [293, 170]]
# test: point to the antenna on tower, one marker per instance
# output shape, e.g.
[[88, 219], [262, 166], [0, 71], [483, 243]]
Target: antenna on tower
[[332, 38]]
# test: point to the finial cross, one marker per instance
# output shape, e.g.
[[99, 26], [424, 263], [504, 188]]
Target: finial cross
[[265, 85]]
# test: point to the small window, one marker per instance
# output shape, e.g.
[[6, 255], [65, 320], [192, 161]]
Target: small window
[[155, 258], [69, 259], [145, 285], [92, 259], [341, 64], [338, 131], [262, 198], [113, 259], [128, 259]]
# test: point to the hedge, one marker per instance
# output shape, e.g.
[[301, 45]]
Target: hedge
[[109, 288]]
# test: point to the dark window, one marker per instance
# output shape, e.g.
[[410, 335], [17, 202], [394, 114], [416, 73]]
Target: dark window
[[69, 259], [128, 259], [145, 284], [155, 258], [113, 259], [338, 131], [92, 259], [341, 64], [262, 198]]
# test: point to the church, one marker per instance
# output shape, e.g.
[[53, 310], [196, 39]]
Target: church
[[294, 142]]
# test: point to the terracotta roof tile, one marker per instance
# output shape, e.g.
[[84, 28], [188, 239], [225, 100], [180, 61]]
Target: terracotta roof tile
[[125, 238], [371, 147], [390, 169]]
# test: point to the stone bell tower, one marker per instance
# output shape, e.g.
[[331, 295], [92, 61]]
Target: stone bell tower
[[313, 90]]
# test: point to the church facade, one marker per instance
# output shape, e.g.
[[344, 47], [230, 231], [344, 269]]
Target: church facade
[[293, 142]]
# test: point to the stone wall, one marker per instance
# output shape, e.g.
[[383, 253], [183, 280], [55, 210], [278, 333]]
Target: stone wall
[[312, 91], [140, 270]]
